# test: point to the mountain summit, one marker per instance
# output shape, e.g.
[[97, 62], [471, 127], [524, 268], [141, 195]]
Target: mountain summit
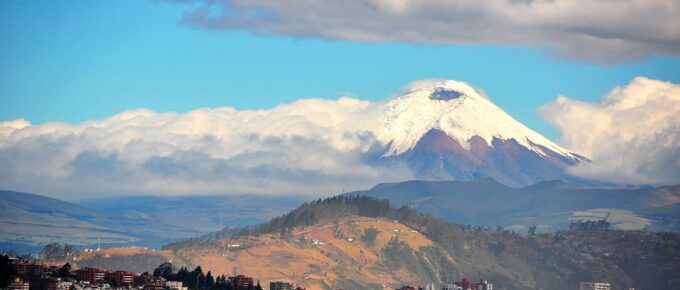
[[447, 129]]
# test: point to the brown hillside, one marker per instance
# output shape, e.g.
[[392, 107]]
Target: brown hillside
[[314, 257]]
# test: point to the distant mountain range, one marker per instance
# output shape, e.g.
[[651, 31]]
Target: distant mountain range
[[549, 205], [29, 221]]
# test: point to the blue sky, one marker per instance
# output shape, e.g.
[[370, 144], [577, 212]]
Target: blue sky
[[91, 59]]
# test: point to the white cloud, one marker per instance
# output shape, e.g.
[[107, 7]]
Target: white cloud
[[632, 135], [603, 31], [311, 146]]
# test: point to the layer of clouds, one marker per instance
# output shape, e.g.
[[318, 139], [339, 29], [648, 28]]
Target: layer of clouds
[[309, 147], [632, 135], [602, 31]]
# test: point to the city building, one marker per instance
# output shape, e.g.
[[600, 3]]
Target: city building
[[239, 281], [466, 284], [149, 282], [121, 278], [175, 285], [451, 287], [44, 283], [30, 268], [278, 285], [92, 275], [81, 286], [18, 284], [594, 286], [63, 285]]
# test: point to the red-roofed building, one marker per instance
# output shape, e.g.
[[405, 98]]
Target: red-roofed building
[[241, 281], [121, 278], [30, 268], [92, 275], [469, 285], [150, 282]]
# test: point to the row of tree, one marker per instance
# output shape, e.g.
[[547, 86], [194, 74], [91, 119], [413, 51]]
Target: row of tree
[[55, 251], [589, 225], [328, 209], [197, 280]]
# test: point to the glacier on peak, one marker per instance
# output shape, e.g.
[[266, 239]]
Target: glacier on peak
[[461, 112]]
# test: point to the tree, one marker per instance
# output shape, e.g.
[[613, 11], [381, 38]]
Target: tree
[[197, 279], [51, 251], [532, 230], [183, 276], [5, 270], [370, 234], [64, 271], [164, 270], [55, 251], [209, 280], [67, 251]]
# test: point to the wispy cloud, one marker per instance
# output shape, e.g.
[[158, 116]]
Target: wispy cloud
[[632, 134], [601, 31]]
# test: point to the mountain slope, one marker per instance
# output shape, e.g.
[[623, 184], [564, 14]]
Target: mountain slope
[[326, 245], [447, 130], [29, 221], [550, 205], [194, 215]]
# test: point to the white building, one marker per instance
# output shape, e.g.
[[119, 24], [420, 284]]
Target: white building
[[62, 285], [594, 286], [174, 285], [451, 287]]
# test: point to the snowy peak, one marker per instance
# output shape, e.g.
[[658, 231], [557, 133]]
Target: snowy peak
[[458, 110], [435, 89]]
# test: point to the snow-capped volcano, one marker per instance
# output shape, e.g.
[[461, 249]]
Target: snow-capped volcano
[[458, 110], [447, 129]]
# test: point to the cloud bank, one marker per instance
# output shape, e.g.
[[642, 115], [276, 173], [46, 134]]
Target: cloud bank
[[632, 135], [309, 147], [602, 31]]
